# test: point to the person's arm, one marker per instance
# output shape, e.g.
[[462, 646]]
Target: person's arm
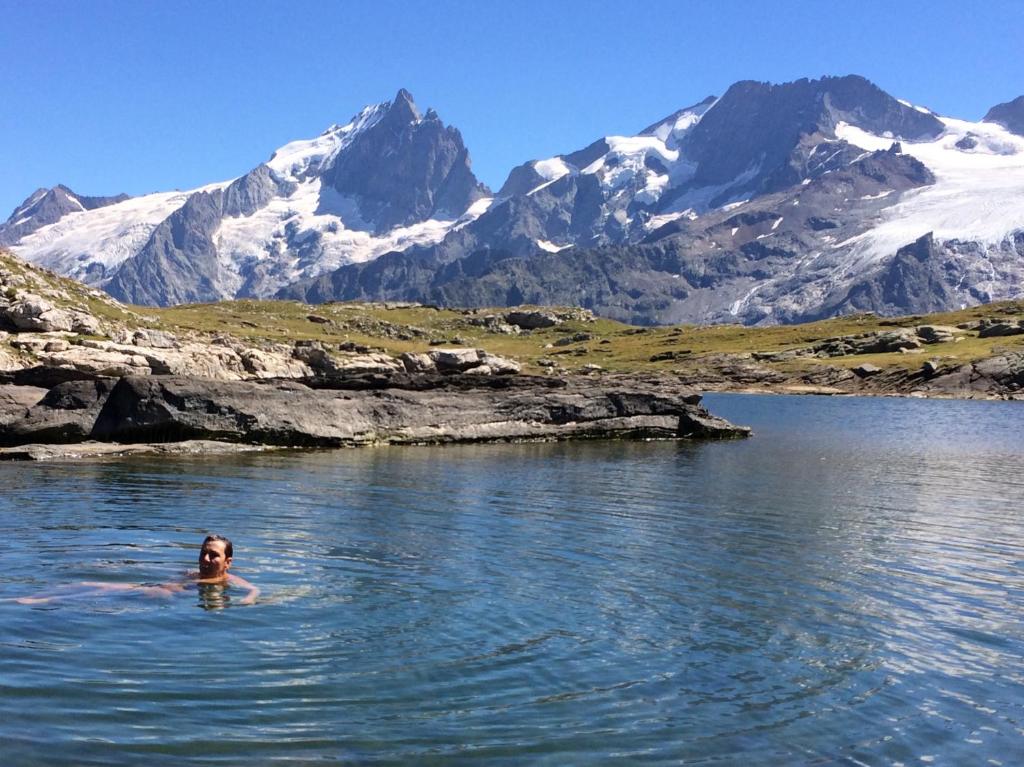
[[237, 580]]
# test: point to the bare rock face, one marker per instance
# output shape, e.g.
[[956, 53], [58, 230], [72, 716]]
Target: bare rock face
[[260, 363], [325, 363], [99, 362], [1001, 328], [417, 363], [148, 409], [66, 414], [155, 339], [1003, 374], [532, 320], [9, 360], [16, 400], [106, 358], [455, 360], [35, 313]]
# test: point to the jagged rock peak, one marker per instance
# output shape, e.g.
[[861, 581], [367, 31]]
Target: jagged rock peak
[[404, 168], [45, 206], [1010, 115], [404, 107]]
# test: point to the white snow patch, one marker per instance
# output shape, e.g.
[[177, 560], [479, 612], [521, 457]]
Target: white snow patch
[[733, 205], [36, 197], [916, 107], [315, 212], [671, 131], [107, 235], [976, 195], [551, 247], [734, 230], [552, 169], [656, 222], [299, 159], [776, 224]]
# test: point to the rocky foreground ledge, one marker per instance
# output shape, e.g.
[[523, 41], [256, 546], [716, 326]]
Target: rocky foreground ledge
[[351, 410]]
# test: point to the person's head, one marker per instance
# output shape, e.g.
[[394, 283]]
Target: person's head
[[215, 557]]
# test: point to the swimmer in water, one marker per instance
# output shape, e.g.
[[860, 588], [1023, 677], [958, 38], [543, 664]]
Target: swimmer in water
[[215, 558]]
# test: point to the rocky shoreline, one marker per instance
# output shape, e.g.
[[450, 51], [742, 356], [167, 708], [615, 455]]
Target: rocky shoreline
[[350, 410], [81, 375]]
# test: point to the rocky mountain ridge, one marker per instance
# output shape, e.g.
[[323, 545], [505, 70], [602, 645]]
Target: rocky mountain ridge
[[389, 177], [772, 203]]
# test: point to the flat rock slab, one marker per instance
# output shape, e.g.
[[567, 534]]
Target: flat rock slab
[[167, 409]]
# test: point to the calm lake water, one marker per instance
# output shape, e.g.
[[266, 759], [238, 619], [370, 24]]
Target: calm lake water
[[846, 587]]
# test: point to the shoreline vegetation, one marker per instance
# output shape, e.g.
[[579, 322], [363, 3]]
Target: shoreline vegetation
[[77, 367]]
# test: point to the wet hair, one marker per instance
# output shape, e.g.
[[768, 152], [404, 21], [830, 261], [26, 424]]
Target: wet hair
[[228, 552]]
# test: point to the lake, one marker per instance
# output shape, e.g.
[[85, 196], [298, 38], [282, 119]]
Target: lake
[[845, 587]]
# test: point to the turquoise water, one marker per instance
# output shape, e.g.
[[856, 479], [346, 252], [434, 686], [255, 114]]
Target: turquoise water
[[846, 587]]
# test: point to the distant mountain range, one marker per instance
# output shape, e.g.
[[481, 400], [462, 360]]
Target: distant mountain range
[[771, 203]]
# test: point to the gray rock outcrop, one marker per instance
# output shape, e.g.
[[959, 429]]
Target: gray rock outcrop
[[47, 206], [1010, 115], [35, 313], [154, 409], [67, 413], [406, 168]]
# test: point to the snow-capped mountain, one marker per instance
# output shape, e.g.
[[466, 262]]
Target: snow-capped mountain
[[771, 203], [388, 179]]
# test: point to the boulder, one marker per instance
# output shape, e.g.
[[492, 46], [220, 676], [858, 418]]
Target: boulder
[[35, 313], [575, 338], [936, 334], [889, 341], [260, 363], [374, 362], [499, 365], [417, 363], [66, 413], [1001, 328], [455, 360], [154, 339], [1001, 376], [323, 363], [532, 320], [495, 324], [867, 370]]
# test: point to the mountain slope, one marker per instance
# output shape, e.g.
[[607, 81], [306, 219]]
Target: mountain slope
[[388, 178], [771, 203], [47, 206], [1010, 115], [840, 175]]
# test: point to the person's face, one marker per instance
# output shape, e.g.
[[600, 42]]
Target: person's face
[[213, 562]]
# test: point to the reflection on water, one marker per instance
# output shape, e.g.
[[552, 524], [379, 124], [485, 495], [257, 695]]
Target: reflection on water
[[845, 587]]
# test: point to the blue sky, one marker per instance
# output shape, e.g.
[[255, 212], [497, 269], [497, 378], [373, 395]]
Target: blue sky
[[145, 96]]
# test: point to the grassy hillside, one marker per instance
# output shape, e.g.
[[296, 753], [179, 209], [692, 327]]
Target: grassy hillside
[[611, 345], [571, 345]]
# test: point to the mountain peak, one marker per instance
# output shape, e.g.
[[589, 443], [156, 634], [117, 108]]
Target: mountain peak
[[403, 107], [1010, 115], [753, 130]]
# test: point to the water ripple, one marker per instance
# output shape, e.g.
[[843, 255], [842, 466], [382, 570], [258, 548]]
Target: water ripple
[[845, 588]]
